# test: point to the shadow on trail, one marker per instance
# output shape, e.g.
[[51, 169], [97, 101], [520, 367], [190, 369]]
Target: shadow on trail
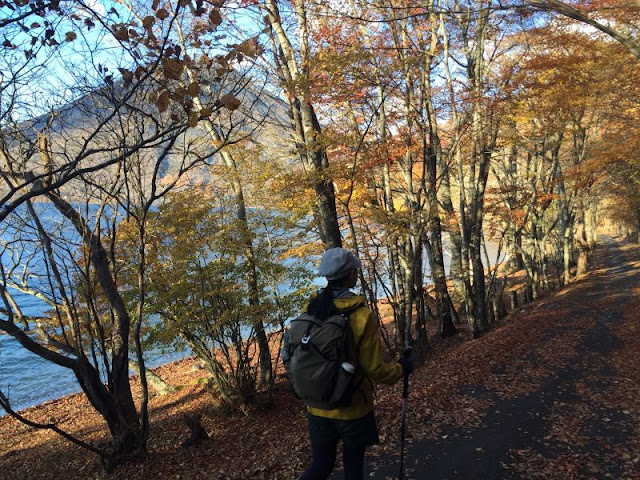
[[528, 421]]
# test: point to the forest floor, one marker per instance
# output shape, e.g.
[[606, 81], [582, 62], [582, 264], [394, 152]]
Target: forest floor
[[550, 392]]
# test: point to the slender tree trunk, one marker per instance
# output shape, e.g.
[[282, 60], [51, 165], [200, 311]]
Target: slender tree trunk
[[580, 240], [294, 71], [461, 248], [432, 158], [265, 360], [565, 227]]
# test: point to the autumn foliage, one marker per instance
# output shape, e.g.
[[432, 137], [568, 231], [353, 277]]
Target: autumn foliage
[[199, 155]]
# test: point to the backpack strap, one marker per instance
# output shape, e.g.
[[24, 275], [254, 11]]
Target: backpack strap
[[352, 348], [304, 341], [350, 310]]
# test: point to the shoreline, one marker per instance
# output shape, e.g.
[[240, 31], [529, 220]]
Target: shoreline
[[21, 408], [69, 396], [384, 307]]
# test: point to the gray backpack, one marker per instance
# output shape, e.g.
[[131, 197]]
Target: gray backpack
[[319, 359]]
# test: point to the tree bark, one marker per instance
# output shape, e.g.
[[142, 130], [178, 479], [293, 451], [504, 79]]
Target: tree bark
[[114, 401], [295, 76]]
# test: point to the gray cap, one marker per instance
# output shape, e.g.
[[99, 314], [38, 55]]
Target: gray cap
[[337, 263]]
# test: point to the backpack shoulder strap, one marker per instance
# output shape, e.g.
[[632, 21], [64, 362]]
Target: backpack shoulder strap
[[350, 310], [350, 343]]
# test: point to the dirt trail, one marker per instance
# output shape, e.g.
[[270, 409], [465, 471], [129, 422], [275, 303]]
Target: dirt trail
[[565, 408]]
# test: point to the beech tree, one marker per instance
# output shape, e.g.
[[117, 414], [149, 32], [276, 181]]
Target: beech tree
[[291, 57]]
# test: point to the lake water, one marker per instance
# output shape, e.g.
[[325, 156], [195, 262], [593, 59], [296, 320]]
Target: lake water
[[27, 380]]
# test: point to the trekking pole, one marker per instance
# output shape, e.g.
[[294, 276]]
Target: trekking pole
[[405, 396]]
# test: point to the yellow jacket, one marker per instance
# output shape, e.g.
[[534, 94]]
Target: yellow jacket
[[369, 358]]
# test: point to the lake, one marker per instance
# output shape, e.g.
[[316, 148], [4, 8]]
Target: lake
[[28, 380]]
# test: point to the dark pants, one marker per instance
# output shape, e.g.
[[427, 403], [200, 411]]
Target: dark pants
[[356, 436]]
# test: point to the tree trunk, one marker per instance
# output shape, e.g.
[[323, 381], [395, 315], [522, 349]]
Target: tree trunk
[[293, 70], [117, 408], [580, 241], [113, 401]]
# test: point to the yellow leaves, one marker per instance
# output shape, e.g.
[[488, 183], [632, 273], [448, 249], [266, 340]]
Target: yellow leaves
[[303, 250]]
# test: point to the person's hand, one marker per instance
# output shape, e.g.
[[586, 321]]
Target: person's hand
[[407, 365]]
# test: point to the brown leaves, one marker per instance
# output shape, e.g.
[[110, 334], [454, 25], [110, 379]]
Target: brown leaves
[[194, 118], [127, 76], [148, 22], [273, 444], [215, 18], [250, 48], [70, 36], [121, 33], [193, 89], [163, 100], [172, 68], [229, 101]]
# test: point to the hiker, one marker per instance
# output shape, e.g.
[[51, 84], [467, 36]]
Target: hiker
[[354, 424]]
